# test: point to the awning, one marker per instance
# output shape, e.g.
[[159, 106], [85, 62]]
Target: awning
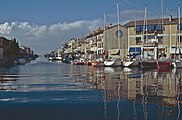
[[174, 50], [115, 52]]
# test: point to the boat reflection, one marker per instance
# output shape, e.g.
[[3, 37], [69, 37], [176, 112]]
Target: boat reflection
[[155, 90]]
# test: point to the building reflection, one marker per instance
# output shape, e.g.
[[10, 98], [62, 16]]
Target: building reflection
[[161, 88], [8, 77]]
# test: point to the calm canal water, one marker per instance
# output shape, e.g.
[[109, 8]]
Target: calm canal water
[[43, 90]]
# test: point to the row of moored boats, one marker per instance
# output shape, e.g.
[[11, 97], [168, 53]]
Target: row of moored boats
[[143, 63]]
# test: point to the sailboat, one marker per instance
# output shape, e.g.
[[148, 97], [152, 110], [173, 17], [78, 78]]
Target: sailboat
[[115, 62], [58, 57], [177, 63], [148, 63], [163, 63], [132, 62], [98, 63]]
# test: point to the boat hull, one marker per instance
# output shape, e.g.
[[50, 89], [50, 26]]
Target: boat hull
[[164, 64], [79, 63], [131, 63], [149, 64], [177, 64], [88, 63], [113, 63], [97, 64]]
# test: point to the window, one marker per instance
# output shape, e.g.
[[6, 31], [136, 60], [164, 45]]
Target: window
[[179, 26], [119, 33], [158, 27], [160, 39], [138, 40], [138, 28], [151, 27]]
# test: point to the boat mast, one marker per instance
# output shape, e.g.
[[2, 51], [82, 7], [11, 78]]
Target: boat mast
[[162, 29], [104, 39], [146, 28], [162, 20], [179, 22], [106, 35], [135, 29], [145, 36], [118, 29]]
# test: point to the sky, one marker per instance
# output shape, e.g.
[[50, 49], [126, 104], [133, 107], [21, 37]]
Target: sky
[[45, 25]]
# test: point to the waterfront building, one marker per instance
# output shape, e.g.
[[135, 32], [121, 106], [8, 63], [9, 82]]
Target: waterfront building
[[111, 41], [159, 33], [9, 51], [94, 43], [8, 48], [70, 46], [119, 41], [115, 41]]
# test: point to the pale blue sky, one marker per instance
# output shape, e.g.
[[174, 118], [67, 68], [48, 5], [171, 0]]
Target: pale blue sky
[[46, 24]]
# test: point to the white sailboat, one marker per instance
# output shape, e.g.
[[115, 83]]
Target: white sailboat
[[115, 62], [132, 62], [58, 57], [177, 63]]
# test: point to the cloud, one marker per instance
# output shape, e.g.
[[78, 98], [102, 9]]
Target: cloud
[[5, 28], [43, 38], [66, 26], [23, 25], [88, 25], [38, 31]]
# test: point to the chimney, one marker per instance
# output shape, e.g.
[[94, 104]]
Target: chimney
[[170, 18]]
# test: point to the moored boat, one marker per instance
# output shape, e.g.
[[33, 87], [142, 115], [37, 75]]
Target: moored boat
[[78, 62], [97, 64], [20, 61], [88, 63], [177, 64], [149, 64], [113, 63], [58, 58], [131, 63], [162, 64]]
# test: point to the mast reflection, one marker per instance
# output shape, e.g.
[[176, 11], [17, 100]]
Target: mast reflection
[[157, 89]]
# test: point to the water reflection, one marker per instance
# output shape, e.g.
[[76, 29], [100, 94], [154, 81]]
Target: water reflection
[[7, 80], [155, 90], [41, 76], [111, 93]]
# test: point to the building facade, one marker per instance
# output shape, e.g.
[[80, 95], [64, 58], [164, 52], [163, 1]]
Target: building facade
[[115, 41], [158, 35], [94, 44]]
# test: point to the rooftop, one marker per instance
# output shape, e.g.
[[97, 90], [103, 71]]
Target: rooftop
[[166, 21]]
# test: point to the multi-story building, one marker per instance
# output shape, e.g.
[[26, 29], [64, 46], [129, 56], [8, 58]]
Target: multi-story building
[[147, 36], [112, 39], [8, 48], [115, 41], [94, 43]]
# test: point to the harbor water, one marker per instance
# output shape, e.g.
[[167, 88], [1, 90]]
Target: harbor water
[[45, 90]]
